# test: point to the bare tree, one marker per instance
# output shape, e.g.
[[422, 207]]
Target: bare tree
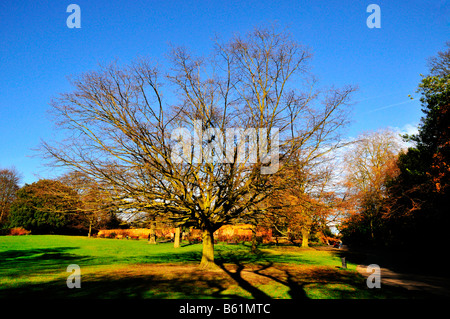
[[370, 163], [439, 65], [369, 160], [129, 130], [96, 200], [9, 185]]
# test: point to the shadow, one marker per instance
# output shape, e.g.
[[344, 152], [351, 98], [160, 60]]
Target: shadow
[[33, 253], [402, 270], [135, 282], [176, 257], [351, 256], [41, 274], [418, 262], [296, 290], [236, 275], [237, 264], [18, 262], [303, 281]]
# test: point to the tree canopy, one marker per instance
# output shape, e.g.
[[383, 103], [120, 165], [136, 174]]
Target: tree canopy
[[47, 207], [9, 185]]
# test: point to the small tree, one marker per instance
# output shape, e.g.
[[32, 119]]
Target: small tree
[[96, 201], [9, 185]]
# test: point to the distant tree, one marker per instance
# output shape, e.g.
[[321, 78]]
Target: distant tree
[[9, 185], [97, 207], [109, 220], [369, 161], [303, 200], [370, 164], [46, 207]]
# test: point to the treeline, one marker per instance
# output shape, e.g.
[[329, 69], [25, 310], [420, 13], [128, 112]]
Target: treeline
[[54, 206], [75, 205], [401, 200]]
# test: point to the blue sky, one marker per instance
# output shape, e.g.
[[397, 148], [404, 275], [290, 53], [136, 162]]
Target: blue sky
[[38, 51]]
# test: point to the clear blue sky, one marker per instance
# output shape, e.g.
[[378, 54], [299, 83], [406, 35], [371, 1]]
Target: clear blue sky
[[38, 51]]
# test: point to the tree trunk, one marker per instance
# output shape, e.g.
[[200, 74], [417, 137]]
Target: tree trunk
[[305, 237], [2, 212], [254, 242], [208, 249], [152, 235], [176, 242], [90, 228], [371, 230]]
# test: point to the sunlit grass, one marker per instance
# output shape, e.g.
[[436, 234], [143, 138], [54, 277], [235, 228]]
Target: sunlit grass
[[111, 268]]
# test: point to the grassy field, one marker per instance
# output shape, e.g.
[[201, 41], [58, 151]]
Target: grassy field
[[35, 267]]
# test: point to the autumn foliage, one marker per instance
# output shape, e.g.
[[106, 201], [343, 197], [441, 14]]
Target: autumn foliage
[[410, 211], [18, 231]]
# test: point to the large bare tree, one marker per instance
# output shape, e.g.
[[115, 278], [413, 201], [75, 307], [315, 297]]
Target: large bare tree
[[163, 141]]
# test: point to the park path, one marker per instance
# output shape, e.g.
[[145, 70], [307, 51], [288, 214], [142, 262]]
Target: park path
[[439, 286]]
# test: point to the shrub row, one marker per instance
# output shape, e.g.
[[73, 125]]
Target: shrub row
[[18, 231]]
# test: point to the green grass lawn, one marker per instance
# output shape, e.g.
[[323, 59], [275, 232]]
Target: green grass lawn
[[35, 266]]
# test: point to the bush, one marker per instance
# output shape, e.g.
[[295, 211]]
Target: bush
[[19, 231], [112, 235], [234, 239]]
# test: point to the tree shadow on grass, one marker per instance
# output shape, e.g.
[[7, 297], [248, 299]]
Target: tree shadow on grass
[[234, 264], [131, 282], [174, 275], [251, 271], [28, 261], [36, 254], [296, 289], [236, 275], [302, 281], [176, 257]]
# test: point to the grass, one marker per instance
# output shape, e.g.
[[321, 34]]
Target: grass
[[35, 267]]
